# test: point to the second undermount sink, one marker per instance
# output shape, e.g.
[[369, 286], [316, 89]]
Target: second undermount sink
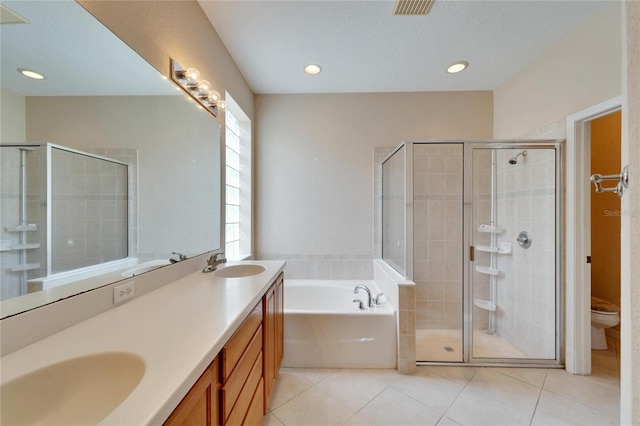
[[78, 391], [239, 271]]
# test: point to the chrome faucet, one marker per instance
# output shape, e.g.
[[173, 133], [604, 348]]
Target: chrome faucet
[[214, 261], [177, 257], [369, 298]]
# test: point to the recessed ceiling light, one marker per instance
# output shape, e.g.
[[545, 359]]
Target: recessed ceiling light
[[312, 69], [457, 67], [31, 74]]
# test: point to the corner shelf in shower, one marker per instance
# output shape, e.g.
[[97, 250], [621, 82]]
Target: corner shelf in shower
[[24, 267], [21, 247], [485, 304], [502, 248], [490, 228], [22, 228], [487, 270]]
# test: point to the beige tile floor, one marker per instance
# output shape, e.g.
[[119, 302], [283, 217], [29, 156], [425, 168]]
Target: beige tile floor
[[449, 396]]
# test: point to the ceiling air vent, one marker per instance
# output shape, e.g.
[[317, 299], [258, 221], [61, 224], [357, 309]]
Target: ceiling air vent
[[412, 7], [8, 16]]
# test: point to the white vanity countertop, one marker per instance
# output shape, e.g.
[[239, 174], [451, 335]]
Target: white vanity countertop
[[177, 330]]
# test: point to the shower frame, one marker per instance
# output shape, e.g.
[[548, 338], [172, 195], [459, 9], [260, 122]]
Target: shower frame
[[467, 219], [45, 177]]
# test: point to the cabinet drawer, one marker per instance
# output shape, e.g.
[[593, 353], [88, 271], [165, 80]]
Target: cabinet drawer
[[254, 414], [233, 386], [233, 350], [239, 410]]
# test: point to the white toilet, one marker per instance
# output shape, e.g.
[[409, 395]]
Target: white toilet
[[603, 315]]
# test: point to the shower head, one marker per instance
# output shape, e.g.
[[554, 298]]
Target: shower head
[[514, 160]]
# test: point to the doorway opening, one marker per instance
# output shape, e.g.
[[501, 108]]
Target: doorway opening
[[578, 234], [606, 212]]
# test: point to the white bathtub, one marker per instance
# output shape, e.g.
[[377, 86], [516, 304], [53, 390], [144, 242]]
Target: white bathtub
[[323, 327]]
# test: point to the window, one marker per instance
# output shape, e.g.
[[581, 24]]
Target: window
[[238, 182]]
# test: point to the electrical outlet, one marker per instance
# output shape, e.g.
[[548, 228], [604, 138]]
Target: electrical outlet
[[123, 292]]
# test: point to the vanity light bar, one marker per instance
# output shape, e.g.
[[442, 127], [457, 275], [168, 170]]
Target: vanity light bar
[[190, 81]]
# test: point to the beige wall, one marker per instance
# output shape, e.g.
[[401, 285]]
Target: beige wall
[[12, 118], [315, 163], [159, 30], [580, 71], [605, 221], [177, 155]]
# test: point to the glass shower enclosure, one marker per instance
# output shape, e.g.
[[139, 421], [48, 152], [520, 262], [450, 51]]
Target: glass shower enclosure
[[476, 225], [62, 210]]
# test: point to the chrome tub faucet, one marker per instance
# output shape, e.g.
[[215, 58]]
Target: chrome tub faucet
[[370, 300]]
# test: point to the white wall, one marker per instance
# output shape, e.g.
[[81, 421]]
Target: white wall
[[315, 169], [580, 71]]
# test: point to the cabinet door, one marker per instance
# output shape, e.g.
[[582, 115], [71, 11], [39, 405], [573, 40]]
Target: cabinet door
[[279, 328], [273, 345], [269, 344], [200, 405]]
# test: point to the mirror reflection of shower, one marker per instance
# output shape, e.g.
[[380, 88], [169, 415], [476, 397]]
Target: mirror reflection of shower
[[57, 197], [514, 160]]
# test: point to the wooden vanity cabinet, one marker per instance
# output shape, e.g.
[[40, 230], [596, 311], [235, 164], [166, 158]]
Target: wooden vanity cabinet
[[200, 406], [273, 336], [236, 387]]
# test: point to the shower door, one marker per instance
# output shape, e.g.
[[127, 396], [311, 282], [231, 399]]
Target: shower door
[[513, 286], [482, 246]]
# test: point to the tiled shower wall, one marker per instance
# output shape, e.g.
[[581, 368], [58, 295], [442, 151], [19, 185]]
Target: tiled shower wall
[[438, 269], [526, 285], [89, 216], [130, 157]]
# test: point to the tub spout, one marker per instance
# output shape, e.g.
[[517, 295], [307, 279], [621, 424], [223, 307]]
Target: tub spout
[[369, 297]]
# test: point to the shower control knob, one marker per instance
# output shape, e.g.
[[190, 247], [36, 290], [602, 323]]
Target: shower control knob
[[524, 239]]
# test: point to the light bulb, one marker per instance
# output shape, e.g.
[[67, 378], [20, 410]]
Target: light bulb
[[203, 86], [192, 74], [222, 105], [213, 96]]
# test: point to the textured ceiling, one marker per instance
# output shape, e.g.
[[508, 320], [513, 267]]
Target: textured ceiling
[[362, 47]]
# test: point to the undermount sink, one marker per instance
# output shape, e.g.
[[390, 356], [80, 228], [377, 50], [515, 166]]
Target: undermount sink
[[239, 271], [78, 391]]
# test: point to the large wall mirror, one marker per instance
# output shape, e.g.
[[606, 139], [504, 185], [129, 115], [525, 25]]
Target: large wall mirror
[[106, 169]]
